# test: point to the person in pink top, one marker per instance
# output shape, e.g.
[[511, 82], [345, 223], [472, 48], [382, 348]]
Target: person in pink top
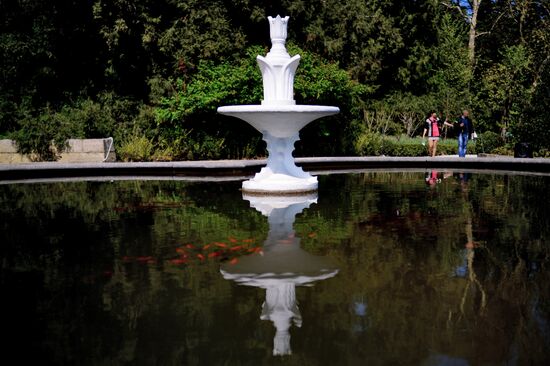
[[432, 128]]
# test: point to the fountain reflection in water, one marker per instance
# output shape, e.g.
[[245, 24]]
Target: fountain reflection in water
[[279, 119], [281, 266]]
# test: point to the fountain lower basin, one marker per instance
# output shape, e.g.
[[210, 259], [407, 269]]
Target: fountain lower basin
[[280, 126]]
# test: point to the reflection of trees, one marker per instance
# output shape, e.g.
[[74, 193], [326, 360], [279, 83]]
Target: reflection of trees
[[92, 307], [95, 307], [404, 265]]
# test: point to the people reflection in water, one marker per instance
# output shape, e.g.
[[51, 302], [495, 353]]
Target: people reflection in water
[[463, 179], [359, 309], [433, 177]]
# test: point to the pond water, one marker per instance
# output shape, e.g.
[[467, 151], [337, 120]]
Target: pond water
[[407, 268]]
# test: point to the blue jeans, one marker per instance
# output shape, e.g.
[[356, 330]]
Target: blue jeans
[[462, 142]]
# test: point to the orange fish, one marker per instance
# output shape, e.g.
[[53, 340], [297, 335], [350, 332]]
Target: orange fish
[[221, 245], [312, 235], [206, 246], [178, 261], [200, 256], [238, 247], [180, 250], [144, 259], [189, 246], [233, 261], [214, 254], [233, 240], [248, 240]]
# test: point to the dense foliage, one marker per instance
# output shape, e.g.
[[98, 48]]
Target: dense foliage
[[151, 73]]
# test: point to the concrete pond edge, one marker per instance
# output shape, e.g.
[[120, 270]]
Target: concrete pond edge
[[241, 169]]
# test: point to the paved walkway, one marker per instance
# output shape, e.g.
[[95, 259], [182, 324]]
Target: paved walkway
[[224, 169]]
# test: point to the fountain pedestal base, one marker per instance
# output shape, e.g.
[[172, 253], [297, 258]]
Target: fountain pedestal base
[[269, 183], [281, 175]]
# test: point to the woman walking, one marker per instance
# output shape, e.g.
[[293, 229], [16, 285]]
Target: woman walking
[[432, 128]]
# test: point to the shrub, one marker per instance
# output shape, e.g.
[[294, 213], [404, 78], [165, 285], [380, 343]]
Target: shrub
[[193, 105], [401, 148], [46, 136], [137, 148], [488, 142], [542, 153], [375, 144], [44, 132], [503, 150], [185, 147], [368, 144]]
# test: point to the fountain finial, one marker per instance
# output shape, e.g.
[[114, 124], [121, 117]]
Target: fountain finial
[[277, 67], [277, 27]]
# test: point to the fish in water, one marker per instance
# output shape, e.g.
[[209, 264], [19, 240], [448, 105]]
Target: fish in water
[[144, 259], [178, 261]]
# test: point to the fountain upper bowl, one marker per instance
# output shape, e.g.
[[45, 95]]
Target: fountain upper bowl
[[278, 120]]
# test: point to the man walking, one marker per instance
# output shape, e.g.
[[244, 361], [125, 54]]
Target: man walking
[[465, 129]]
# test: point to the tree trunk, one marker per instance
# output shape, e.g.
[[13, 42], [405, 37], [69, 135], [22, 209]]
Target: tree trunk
[[473, 30]]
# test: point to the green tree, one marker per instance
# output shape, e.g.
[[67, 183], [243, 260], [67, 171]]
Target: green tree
[[452, 75], [507, 89], [79, 58]]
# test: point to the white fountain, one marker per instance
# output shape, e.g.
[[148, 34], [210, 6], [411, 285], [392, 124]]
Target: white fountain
[[281, 266], [279, 119]]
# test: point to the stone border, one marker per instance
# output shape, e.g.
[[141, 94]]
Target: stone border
[[77, 151], [539, 165], [244, 168]]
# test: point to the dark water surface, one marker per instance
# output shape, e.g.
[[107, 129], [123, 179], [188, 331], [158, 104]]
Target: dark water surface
[[440, 269]]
